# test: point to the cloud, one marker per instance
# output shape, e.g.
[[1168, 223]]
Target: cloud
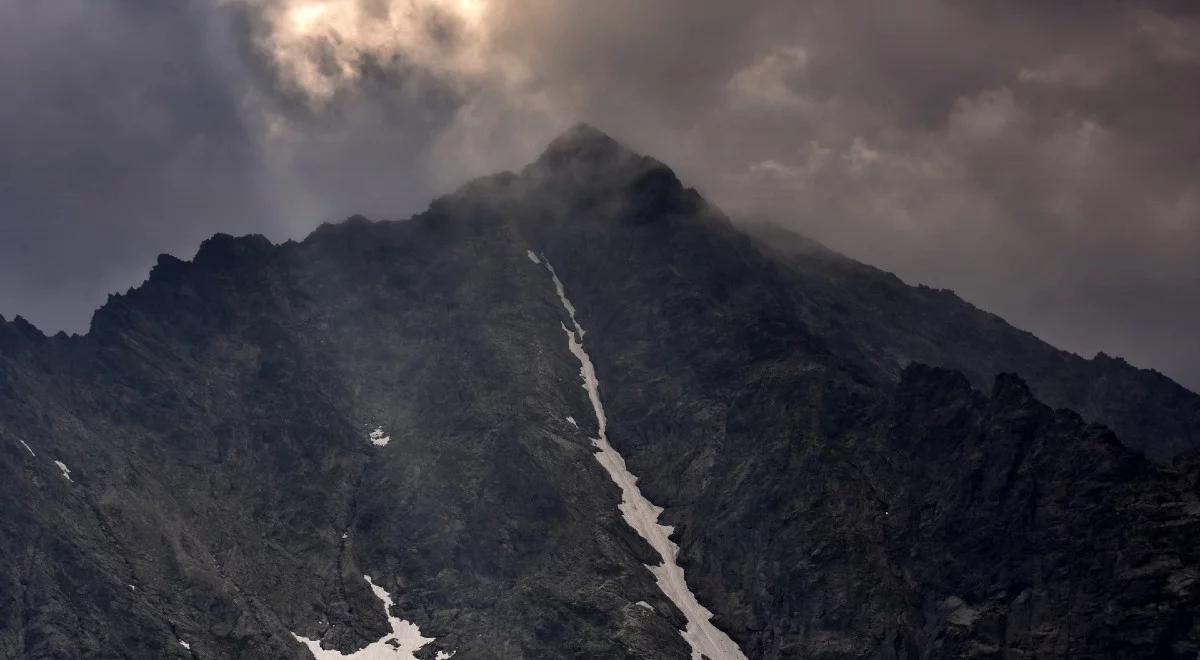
[[773, 80], [1172, 38], [1066, 70], [318, 49], [1037, 158]]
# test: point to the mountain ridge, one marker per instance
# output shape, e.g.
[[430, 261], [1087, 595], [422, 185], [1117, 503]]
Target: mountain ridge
[[584, 147], [219, 427]]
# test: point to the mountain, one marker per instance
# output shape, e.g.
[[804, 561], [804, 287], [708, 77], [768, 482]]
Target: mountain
[[891, 324], [453, 435]]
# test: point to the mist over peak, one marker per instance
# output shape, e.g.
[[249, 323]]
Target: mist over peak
[[1045, 174]]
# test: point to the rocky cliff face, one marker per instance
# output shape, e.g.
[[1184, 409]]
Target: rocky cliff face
[[247, 435]]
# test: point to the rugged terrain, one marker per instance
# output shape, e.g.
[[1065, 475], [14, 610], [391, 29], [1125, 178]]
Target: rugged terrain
[[832, 496]]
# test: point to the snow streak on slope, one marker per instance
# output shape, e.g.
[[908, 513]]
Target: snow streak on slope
[[400, 644], [66, 471], [705, 639]]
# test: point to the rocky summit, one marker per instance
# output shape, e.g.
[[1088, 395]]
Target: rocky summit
[[575, 412]]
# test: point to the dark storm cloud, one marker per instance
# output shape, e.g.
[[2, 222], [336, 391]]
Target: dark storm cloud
[[1039, 158], [121, 138]]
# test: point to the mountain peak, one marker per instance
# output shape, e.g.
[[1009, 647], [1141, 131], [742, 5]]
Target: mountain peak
[[18, 332], [582, 134], [587, 165], [748, 390], [584, 143], [223, 250]]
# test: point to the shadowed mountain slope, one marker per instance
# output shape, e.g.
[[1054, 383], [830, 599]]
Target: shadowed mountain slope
[[224, 483], [893, 324]]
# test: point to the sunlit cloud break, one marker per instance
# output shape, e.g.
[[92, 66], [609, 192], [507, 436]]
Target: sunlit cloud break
[[322, 48]]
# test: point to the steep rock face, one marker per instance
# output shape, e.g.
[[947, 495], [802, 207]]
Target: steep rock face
[[1050, 534], [225, 491]]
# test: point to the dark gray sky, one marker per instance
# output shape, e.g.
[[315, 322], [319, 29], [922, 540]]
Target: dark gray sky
[[1040, 158]]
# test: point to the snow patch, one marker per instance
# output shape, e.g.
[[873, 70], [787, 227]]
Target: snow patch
[[401, 643], [705, 639], [185, 645], [532, 257], [645, 605], [26, 445], [572, 421], [378, 437], [66, 471]]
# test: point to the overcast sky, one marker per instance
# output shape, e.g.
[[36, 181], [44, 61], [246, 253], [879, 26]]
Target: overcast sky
[[1040, 158]]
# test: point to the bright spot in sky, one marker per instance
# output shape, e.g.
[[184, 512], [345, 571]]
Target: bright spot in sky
[[320, 48]]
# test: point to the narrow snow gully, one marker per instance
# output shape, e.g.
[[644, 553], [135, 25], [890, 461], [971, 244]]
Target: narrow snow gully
[[706, 640]]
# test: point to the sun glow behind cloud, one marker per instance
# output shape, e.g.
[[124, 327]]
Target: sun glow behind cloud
[[321, 48]]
